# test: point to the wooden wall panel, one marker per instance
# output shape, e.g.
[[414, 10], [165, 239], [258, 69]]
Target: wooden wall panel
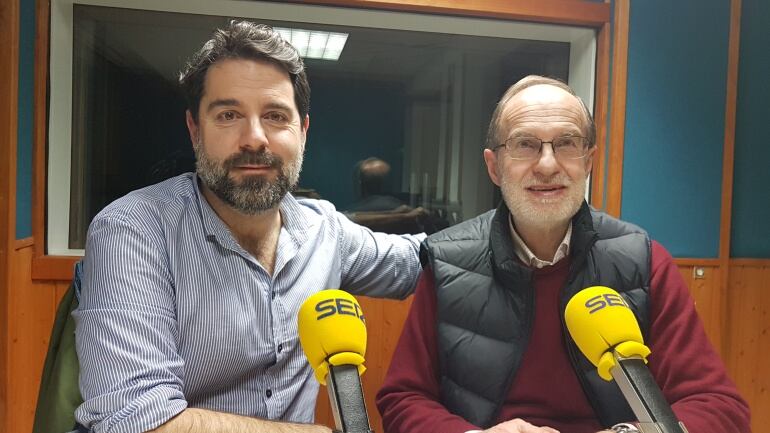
[[602, 101], [32, 308], [9, 47], [574, 12], [617, 116], [707, 294], [748, 330]]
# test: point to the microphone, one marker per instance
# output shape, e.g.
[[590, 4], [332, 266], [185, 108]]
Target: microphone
[[332, 333], [606, 331]]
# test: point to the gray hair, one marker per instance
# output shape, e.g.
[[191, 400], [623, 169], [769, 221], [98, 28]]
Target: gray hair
[[493, 132]]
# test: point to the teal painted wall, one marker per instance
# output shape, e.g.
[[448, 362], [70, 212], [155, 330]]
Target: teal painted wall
[[751, 181], [672, 171], [26, 118], [337, 142]]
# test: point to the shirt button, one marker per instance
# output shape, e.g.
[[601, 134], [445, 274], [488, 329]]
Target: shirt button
[[280, 347], [272, 295], [269, 393]]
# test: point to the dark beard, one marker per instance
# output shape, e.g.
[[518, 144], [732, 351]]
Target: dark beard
[[255, 194]]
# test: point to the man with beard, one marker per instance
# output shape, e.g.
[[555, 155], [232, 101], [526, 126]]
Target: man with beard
[[484, 347], [191, 287]]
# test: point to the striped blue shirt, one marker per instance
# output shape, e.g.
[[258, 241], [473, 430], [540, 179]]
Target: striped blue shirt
[[174, 313]]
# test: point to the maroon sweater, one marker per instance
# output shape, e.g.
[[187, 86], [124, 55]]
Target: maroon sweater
[[545, 390]]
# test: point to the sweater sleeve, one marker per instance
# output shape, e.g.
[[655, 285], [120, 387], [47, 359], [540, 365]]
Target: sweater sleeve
[[683, 361], [409, 398]]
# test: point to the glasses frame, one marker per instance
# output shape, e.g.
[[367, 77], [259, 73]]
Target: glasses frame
[[586, 148]]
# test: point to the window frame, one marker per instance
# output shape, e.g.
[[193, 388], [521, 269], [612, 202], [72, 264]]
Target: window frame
[[589, 52]]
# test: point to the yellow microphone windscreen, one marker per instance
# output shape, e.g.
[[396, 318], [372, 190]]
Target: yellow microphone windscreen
[[332, 331], [598, 319]]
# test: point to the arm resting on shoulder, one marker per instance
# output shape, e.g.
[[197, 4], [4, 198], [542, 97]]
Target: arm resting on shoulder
[[378, 264]]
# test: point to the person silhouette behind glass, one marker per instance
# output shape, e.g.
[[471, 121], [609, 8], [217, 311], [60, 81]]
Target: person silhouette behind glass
[[378, 209], [371, 176]]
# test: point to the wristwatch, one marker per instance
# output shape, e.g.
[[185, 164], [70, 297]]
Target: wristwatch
[[624, 428]]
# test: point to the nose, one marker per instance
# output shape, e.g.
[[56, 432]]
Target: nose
[[546, 163], [254, 135]]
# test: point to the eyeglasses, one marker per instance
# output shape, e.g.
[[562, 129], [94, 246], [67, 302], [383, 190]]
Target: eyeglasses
[[529, 148]]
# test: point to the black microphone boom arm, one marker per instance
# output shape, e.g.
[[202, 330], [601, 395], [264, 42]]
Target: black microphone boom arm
[[347, 399], [644, 396]]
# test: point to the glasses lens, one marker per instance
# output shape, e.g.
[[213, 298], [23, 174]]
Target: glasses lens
[[569, 147], [524, 147]]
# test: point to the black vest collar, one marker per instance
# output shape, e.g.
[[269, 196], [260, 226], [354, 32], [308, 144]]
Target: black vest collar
[[504, 259]]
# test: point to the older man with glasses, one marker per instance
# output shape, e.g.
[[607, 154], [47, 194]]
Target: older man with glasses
[[485, 347]]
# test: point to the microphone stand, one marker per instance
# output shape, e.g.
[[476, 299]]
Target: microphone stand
[[347, 400], [644, 396]]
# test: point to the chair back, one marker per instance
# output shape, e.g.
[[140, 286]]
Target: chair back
[[59, 394]]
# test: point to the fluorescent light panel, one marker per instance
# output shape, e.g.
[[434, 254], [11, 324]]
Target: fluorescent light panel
[[315, 44]]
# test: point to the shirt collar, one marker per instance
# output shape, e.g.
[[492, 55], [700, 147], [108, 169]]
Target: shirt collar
[[213, 226], [525, 254], [293, 219]]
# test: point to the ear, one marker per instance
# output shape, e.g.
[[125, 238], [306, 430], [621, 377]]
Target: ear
[[590, 159], [192, 127], [304, 127], [490, 158]]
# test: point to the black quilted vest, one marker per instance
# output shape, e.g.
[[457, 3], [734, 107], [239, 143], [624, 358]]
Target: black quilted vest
[[485, 301]]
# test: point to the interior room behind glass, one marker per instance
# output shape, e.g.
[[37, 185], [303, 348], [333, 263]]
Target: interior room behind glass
[[414, 104]]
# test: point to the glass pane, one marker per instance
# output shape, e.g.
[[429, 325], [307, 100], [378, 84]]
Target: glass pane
[[398, 122]]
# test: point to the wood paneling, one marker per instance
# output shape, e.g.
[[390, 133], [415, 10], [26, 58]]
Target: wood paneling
[[40, 133], [584, 13], [728, 154], [731, 95], [23, 243], [32, 307], [56, 268], [697, 262], [748, 327], [618, 113], [9, 71], [707, 293], [758, 263], [599, 171], [739, 318]]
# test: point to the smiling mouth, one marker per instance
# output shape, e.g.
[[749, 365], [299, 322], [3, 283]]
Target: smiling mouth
[[253, 167], [545, 188]]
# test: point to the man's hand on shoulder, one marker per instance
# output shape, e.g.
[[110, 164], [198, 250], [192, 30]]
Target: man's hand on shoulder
[[519, 426]]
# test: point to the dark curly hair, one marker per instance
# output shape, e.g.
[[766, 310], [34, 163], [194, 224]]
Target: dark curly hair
[[244, 40]]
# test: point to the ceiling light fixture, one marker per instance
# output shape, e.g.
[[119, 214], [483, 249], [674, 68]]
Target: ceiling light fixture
[[315, 44]]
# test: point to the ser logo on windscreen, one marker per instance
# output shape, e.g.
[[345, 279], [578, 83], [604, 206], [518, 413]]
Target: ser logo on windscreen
[[599, 302], [345, 307]]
